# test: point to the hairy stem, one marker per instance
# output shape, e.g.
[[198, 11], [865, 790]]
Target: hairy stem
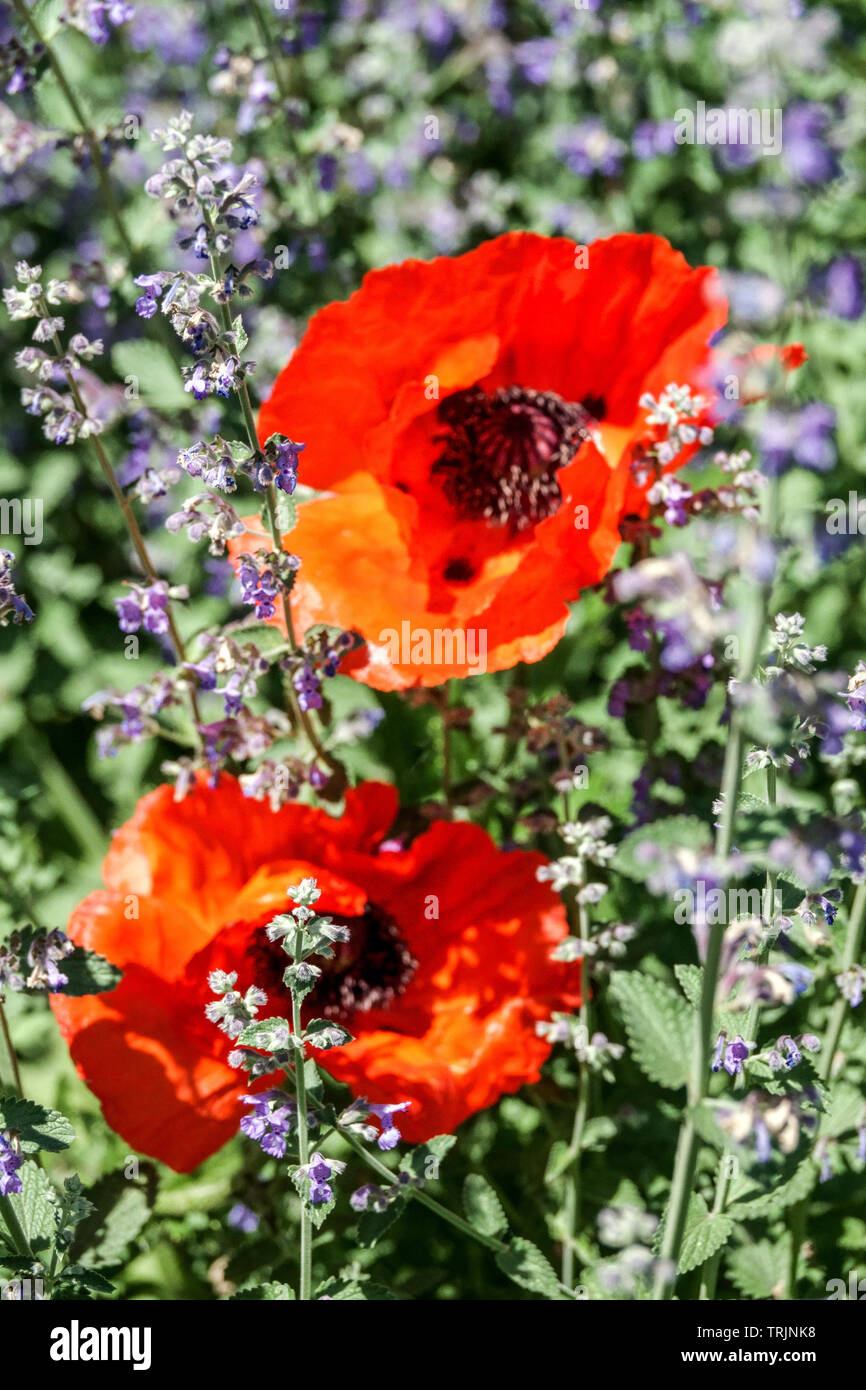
[[306, 1260]]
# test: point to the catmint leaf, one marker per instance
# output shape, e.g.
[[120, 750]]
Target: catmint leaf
[[785, 1194], [660, 1027], [271, 1292], [524, 1263], [324, 1034], [269, 1034], [759, 1270], [424, 1159], [34, 1207], [36, 1126], [483, 1208], [705, 1233], [372, 1225]]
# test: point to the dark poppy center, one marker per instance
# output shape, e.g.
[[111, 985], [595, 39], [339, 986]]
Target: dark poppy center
[[368, 971], [501, 453]]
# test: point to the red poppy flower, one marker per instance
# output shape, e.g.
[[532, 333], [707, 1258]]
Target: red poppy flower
[[446, 973], [472, 420]]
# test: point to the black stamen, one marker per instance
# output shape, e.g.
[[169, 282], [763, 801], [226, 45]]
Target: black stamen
[[366, 972], [502, 453]]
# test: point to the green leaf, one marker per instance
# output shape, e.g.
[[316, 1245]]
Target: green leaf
[[705, 1233], [524, 1263], [690, 978], [121, 1209], [89, 973], [47, 15], [269, 1034], [424, 1159], [154, 373], [286, 513], [264, 1293], [358, 1290], [773, 1203], [660, 1027], [670, 832], [34, 1207], [558, 1161], [597, 1133], [759, 1270], [373, 1224], [36, 1126], [844, 1110], [88, 1279], [482, 1206], [324, 1034]]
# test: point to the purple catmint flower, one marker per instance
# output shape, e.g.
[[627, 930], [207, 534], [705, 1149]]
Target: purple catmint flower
[[371, 1195], [308, 687], [269, 1121], [805, 150], [197, 382], [718, 1055], [861, 1143], [241, 1218], [319, 1172], [10, 1162], [736, 1054], [286, 465], [390, 1135], [843, 288]]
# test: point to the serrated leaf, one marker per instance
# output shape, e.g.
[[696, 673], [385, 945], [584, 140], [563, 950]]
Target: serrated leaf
[[424, 1159], [36, 1126], [155, 375], [483, 1208], [670, 832], [773, 1203], [323, 1034], [844, 1110], [660, 1027], [264, 1293], [705, 1233], [559, 1160], [373, 1224], [121, 1209], [286, 513], [524, 1263], [87, 1279], [354, 1291], [34, 1207], [759, 1270], [269, 1034], [597, 1133], [690, 978], [89, 973]]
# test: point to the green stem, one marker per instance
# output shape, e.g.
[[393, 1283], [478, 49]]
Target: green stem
[[571, 1208], [306, 1260], [851, 954], [301, 717], [710, 1270], [86, 130], [685, 1160], [418, 1194], [11, 1054], [129, 516]]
